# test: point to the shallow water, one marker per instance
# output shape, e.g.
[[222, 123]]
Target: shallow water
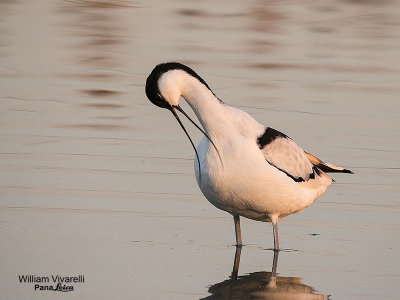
[[95, 180]]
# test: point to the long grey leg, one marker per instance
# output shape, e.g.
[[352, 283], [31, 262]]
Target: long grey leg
[[275, 230], [237, 231]]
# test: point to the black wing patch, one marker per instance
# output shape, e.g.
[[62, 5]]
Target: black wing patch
[[269, 136]]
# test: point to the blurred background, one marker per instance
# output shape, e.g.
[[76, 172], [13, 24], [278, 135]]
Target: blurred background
[[96, 180]]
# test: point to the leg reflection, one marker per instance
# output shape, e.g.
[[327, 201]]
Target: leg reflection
[[236, 263], [272, 280], [261, 285]]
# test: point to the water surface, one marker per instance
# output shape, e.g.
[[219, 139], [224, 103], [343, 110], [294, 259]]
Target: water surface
[[95, 180]]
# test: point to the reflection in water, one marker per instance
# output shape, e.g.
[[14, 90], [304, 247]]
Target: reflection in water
[[98, 29], [261, 285], [265, 19], [98, 32]]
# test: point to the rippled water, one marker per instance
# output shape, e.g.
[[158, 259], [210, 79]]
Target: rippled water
[[95, 180]]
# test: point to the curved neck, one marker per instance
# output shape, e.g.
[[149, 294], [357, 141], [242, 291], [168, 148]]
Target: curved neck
[[210, 111]]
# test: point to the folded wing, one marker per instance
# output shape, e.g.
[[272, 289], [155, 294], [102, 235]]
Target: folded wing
[[284, 154]]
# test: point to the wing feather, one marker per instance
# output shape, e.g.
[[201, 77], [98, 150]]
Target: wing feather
[[326, 167], [283, 153]]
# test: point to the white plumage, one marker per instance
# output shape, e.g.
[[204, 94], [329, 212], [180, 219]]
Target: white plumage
[[244, 168]]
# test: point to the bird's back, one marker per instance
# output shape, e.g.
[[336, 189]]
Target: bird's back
[[247, 182]]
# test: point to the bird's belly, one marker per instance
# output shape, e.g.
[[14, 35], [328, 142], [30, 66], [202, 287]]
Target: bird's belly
[[253, 200], [248, 186]]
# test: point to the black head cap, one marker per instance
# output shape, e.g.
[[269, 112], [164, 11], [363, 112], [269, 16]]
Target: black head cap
[[152, 90]]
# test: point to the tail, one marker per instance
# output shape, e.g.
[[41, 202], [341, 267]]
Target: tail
[[326, 167]]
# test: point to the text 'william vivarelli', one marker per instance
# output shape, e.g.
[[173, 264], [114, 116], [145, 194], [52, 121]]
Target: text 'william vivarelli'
[[60, 283]]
